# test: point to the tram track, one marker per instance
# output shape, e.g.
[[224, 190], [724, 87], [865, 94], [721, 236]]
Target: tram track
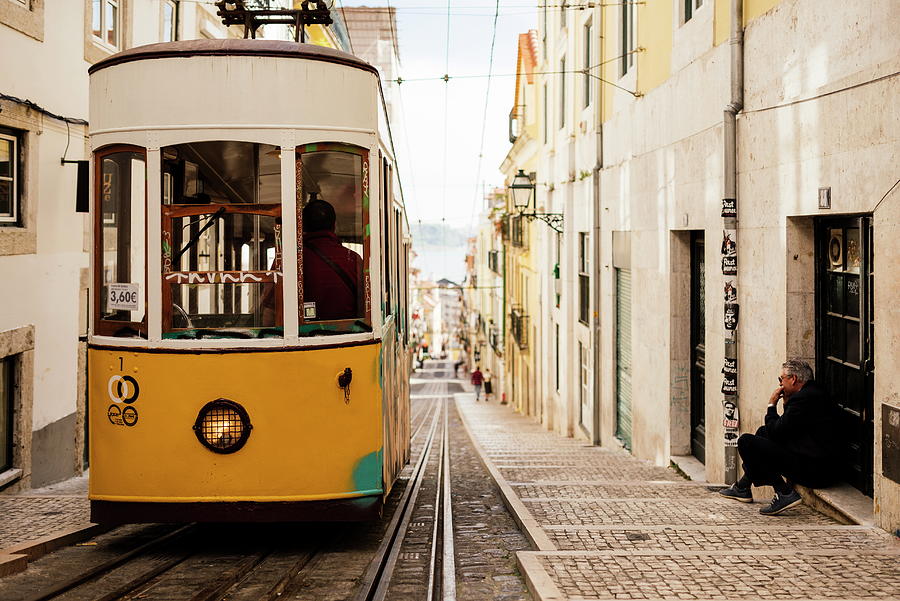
[[415, 511]]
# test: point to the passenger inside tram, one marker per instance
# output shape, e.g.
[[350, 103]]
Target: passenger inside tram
[[331, 272]]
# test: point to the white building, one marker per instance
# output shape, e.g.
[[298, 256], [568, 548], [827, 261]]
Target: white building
[[43, 240]]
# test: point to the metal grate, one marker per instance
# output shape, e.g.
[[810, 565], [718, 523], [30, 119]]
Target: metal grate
[[222, 426]]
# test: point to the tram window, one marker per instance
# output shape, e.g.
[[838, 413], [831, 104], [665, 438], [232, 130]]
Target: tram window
[[333, 203], [222, 240], [119, 251]]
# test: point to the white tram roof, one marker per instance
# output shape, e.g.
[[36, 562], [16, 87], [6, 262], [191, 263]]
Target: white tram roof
[[234, 47], [234, 89]]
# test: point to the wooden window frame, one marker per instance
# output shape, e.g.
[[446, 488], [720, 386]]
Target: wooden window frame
[[170, 212], [341, 326], [108, 327]]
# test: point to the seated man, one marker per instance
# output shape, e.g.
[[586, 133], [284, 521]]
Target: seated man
[[800, 445], [331, 272]]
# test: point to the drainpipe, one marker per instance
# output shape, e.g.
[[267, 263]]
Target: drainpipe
[[730, 221], [595, 275]]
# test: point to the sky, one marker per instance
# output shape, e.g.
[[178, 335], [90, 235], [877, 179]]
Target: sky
[[438, 149]]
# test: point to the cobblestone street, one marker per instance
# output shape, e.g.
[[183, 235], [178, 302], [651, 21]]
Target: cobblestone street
[[605, 525]]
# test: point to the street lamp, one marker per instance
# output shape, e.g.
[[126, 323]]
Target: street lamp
[[522, 191]]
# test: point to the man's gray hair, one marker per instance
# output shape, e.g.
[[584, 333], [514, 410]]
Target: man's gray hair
[[799, 368]]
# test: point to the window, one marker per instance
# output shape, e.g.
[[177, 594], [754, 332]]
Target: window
[[584, 278], [333, 200], [518, 233], [169, 20], [562, 92], [6, 412], [119, 222], [221, 228], [689, 7], [588, 61], [627, 37], [105, 22], [10, 177]]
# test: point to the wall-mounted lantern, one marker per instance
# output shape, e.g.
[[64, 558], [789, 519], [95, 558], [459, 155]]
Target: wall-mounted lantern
[[522, 191]]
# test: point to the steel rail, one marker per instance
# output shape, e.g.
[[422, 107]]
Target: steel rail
[[377, 577], [110, 565]]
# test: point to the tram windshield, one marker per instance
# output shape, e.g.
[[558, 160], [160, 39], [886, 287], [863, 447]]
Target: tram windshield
[[333, 202], [221, 221]]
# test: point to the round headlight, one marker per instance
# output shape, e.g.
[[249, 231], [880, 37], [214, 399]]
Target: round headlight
[[222, 426]]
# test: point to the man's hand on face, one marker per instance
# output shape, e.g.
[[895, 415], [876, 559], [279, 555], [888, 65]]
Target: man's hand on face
[[776, 395]]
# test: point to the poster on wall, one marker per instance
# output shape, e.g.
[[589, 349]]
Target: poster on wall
[[729, 207], [731, 422], [731, 316], [729, 377], [730, 292], [729, 252]]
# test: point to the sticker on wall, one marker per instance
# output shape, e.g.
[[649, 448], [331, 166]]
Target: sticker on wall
[[729, 207], [729, 377], [731, 419], [731, 316], [729, 252], [731, 422], [730, 292]]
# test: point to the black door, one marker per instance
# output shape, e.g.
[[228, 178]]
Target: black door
[[844, 328], [698, 350]]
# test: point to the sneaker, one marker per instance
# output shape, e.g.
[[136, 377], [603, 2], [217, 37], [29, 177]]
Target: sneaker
[[782, 502], [738, 494]]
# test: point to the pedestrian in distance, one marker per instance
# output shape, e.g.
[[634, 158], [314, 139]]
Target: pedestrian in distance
[[488, 386], [477, 381], [799, 446]]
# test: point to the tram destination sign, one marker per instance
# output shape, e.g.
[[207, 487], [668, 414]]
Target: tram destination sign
[[123, 297]]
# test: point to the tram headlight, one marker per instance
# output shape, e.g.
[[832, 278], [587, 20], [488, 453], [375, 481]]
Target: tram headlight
[[222, 426]]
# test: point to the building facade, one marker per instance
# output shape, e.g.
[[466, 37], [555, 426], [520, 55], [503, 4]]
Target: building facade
[[727, 174], [43, 237]]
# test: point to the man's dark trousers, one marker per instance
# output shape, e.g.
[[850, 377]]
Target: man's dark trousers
[[766, 461]]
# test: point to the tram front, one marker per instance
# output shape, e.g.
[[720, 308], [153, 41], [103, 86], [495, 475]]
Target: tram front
[[235, 353]]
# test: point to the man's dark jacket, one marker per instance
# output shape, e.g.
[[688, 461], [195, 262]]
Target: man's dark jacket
[[809, 425]]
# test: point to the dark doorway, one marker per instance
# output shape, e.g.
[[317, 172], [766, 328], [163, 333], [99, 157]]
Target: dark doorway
[[844, 329], [698, 350]]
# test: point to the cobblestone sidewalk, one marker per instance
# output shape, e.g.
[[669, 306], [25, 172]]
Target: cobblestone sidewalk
[[41, 514], [605, 525]]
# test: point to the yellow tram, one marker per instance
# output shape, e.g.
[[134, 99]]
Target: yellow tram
[[248, 350]]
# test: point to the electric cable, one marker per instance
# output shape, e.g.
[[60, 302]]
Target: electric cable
[[487, 95]]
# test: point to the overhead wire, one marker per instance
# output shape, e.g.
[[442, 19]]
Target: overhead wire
[[347, 26], [446, 118], [487, 95]]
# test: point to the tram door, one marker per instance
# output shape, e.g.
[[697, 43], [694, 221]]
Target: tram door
[[844, 324], [698, 348]]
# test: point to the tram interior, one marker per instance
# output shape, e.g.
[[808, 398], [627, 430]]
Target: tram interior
[[223, 204]]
